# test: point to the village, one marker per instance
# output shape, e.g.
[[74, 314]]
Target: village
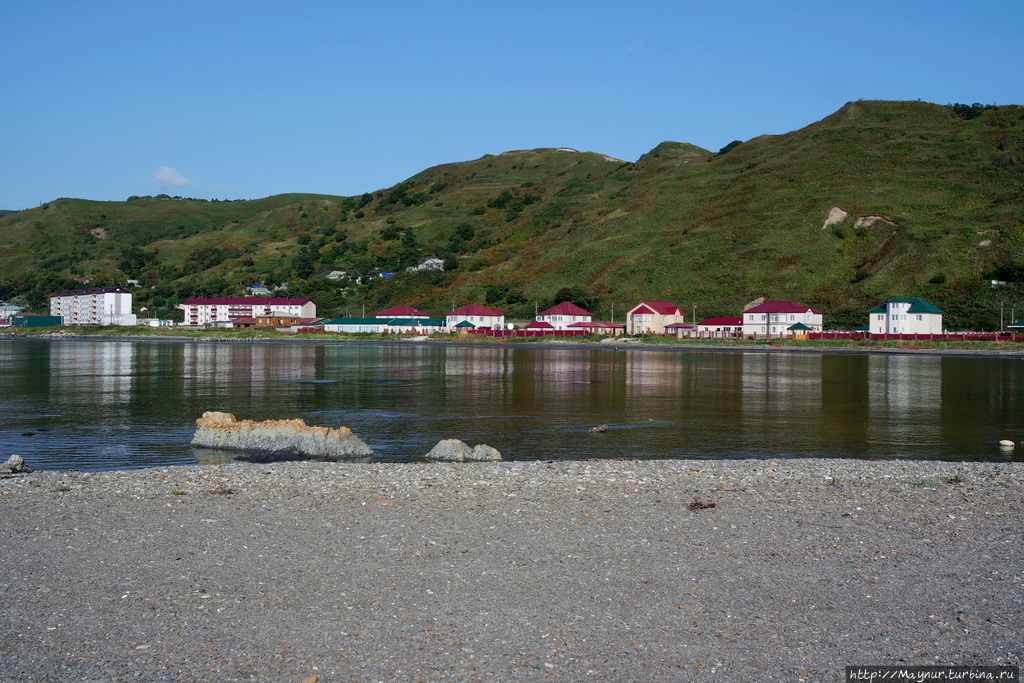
[[898, 318]]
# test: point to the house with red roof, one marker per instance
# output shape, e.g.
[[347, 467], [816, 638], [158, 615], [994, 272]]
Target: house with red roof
[[651, 317], [780, 319], [720, 328], [223, 311], [477, 316], [610, 329], [402, 312], [563, 315]]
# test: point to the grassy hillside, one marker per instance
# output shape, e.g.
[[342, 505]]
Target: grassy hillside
[[925, 200]]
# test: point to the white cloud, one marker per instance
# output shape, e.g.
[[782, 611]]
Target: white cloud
[[168, 178]]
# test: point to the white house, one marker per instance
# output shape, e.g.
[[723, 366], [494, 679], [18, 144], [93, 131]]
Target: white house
[[432, 263], [224, 310], [96, 306], [7, 311], [773, 319], [563, 315], [905, 316], [651, 317], [477, 316]]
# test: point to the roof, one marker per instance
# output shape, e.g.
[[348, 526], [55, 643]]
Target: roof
[[798, 326], [722, 322], [402, 312], [916, 306], [354, 321], [566, 308], [94, 290], [415, 322], [476, 309], [540, 325], [679, 326], [659, 307], [465, 323], [245, 301], [781, 307]]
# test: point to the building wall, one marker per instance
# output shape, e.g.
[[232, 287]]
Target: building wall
[[562, 322]]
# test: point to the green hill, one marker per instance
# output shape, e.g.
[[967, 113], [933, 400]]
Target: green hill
[[880, 199]]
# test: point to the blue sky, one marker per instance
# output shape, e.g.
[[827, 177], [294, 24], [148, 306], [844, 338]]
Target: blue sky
[[237, 100]]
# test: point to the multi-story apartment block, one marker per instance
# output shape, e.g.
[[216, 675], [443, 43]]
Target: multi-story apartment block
[[202, 311], [96, 306]]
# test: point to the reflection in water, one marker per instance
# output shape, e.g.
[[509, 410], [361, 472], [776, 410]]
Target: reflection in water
[[97, 405]]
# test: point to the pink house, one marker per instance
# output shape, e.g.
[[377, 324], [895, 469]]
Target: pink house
[[651, 317]]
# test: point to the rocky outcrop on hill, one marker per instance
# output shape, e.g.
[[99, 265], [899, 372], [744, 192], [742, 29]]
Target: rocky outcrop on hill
[[453, 450], [282, 438]]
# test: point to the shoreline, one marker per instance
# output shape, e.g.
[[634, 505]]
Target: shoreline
[[605, 570], [612, 345]]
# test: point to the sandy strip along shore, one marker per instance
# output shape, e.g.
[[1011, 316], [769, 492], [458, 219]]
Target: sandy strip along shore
[[586, 570]]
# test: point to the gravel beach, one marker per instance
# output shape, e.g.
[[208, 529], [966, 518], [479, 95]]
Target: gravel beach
[[603, 570]]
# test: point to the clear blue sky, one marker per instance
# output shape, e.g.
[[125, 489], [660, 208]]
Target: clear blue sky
[[238, 100]]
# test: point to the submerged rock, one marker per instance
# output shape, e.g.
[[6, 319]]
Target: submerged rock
[[282, 438], [453, 450], [15, 465]]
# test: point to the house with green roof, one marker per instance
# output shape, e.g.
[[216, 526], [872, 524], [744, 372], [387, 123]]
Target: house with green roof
[[905, 316]]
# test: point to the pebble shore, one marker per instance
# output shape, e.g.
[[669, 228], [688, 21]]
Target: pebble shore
[[598, 570]]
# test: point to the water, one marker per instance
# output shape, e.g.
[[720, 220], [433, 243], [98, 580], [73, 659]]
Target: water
[[94, 405]]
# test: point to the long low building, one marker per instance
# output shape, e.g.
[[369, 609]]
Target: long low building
[[385, 325]]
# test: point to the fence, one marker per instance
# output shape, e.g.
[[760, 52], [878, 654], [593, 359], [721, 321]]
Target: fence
[[528, 333], [946, 336]]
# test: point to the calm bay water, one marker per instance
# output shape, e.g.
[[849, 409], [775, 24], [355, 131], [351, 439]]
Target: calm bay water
[[94, 405]]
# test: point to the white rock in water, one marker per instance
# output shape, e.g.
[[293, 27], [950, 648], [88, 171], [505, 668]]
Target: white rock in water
[[1006, 444], [454, 450], [278, 437], [449, 450], [15, 465], [484, 453]]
